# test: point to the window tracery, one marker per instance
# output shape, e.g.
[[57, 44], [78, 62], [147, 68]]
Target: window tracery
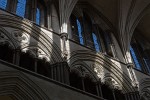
[[85, 33]]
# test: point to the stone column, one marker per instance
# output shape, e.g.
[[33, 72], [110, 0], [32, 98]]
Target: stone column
[[83, 86], [35, 64], [113, 91], [112, 46], [64, 37], [134, 81], [12, 5], [49, 15], [99, 88], [17, 57], [28, 9], [33, 12], [127, 97]]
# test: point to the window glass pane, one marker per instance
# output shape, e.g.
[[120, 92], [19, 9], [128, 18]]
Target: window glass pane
[[20, 11], [80, 32], [136, 62], [3, 4], [38, 16], [96, 44]]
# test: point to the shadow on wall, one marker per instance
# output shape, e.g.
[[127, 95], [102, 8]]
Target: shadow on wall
[[32, 48], [107, 79]]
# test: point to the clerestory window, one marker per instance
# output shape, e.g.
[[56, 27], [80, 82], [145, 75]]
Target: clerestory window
[[3, 4], [38, 16], [135, 59], [21, 6], [85, 33], [96, 43], [80, 32]]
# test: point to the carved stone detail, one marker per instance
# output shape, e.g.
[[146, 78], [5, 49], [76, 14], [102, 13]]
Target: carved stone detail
[[20, 36], [99, 70], [5, 40], [84, 72], [112, 83], [37, 53]]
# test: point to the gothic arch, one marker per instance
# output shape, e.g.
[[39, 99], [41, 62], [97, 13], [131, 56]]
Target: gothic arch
[[116, 74], [5, 37], [144, 88], [19, 86], [34, 32], [87, 70], [39, 52], [112, 82]]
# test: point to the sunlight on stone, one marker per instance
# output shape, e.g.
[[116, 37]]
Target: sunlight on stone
[[99, 70], [64, 28], [128, 57]]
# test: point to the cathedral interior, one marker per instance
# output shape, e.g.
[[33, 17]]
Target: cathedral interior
[[74, 50]]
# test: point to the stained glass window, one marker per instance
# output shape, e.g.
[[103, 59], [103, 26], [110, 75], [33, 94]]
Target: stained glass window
[[3, 4], [38, 16], [80, 32], [135, 59], [96, 44], [21, 6]]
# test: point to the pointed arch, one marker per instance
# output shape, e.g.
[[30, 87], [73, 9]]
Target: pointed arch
[[35, 32], [20, 86], [106, 64]]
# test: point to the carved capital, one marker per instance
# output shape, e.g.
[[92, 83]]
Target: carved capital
[[130, 65], [112, 84], [64, 36], [65, 54]]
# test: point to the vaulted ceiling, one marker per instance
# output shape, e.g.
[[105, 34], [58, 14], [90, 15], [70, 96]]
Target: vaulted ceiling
[[126, 16]]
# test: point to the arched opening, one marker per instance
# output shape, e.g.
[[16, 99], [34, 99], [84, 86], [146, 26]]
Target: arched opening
[[76, 80], [107, 92], [119, 95], [77, 29], [140, 43], [6, 52], [90, 86], [27, 61], [40, 18], [84, 31], [43, 68], [139, 50]]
